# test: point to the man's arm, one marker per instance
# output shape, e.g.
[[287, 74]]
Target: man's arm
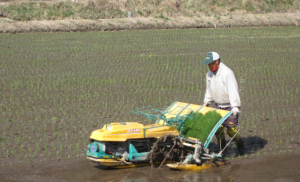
[[233, 91], [207, 98]]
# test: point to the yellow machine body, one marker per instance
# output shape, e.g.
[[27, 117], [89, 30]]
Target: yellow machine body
[[188, 167], [126, 132], [134, 130], [120, 132]]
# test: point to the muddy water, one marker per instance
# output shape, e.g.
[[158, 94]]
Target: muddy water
[[278, 169]]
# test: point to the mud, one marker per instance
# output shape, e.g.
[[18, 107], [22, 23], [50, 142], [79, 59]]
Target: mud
[[277, 168]]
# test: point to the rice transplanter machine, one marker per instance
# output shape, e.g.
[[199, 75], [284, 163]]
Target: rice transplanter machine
[[131, 144]]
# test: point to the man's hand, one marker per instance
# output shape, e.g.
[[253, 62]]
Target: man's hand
[[235, 111], [206, 104]]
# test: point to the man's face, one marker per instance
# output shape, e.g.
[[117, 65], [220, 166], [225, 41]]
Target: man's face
[[213, 65]]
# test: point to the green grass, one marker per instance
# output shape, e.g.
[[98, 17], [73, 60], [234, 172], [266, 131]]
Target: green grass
[[40, 11], [199, 126], [95, 9]]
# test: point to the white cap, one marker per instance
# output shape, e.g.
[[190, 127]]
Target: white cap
[[215, 56], [211, 57]]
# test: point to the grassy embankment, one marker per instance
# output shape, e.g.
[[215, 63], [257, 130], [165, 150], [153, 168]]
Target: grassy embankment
[[108, 9]]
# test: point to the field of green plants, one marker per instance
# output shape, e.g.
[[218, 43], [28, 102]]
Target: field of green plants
[[56, 88]]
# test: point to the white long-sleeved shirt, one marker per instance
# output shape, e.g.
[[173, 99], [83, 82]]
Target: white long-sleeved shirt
[[222, 88]]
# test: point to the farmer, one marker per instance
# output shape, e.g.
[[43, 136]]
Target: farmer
[[222, 89]]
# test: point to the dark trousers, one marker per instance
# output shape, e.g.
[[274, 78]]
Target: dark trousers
[[231, 124]]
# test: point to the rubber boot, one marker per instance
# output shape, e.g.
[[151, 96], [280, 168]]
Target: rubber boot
[[238, 140]]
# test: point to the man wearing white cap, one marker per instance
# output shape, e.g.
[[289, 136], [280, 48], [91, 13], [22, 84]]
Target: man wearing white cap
[[222, 89]]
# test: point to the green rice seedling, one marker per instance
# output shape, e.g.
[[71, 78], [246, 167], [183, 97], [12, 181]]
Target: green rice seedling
[[7, 153], [78, 91], [199, 125]]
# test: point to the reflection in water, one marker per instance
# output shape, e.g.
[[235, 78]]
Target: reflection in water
[[263, 169], [145, 174]]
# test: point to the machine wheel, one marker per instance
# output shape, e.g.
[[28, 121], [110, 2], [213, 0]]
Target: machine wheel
[[167, 146]]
